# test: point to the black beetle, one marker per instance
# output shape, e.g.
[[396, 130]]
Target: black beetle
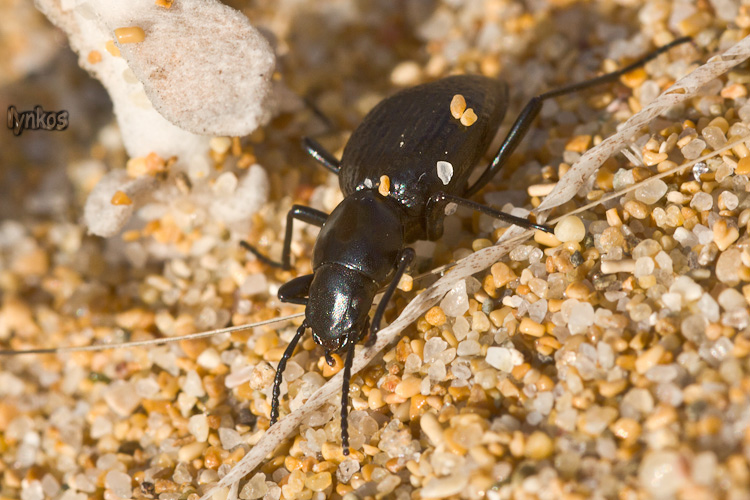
[[427, 155]]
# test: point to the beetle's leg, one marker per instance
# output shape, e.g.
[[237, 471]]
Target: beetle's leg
[[404, 259], [327, 123], [524, 120], [295, 291], [300, 212], [345, 395], [436, 213], [321, 155], [280, 370]]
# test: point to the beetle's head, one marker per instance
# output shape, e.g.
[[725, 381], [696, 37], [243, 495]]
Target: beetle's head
[[339, 305]]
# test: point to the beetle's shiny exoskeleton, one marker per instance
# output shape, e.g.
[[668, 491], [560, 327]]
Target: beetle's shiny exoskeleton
[[428, 155]]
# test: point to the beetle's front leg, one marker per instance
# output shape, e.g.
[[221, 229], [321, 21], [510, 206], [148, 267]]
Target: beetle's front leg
[[300, 212], [296, 291]]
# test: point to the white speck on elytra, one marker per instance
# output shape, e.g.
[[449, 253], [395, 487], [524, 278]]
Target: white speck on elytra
[[445, 171]]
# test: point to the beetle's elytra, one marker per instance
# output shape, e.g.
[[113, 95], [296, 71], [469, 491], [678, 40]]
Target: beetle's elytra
[[427, 154]]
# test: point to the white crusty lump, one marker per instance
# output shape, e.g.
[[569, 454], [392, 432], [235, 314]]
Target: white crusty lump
[[202, 68], [198, 68], [104, 218]]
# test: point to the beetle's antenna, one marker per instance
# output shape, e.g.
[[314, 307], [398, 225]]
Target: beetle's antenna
[[345, 395], [280, 371], [142, 343]]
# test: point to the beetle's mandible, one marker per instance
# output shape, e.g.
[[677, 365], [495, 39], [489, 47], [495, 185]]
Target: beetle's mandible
[[427, 154]]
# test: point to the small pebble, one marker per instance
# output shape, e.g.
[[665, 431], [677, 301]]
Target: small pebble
[[198, 427], [255, 488], [220, 145], [637, 209], [570, 228], [724, 235], [728, 266], [122, 398], [504, 359], [539, 446], [319, 482], [456, 301], [651, 191], [502, 274], [406, 74], [458, 106], [530, 327], [693, 149], [662, 473], [120, 483], [435, 316], [468, 118], [649, 359], [444, 487], [432, 428], [618, 266], [132, 34], [120, 198]]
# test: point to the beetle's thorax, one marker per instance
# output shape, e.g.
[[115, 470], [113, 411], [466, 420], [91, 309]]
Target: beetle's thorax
[[364, 233]]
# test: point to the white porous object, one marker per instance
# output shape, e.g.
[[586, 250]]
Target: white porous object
[[102, 217], [201, 64], [246, 199]]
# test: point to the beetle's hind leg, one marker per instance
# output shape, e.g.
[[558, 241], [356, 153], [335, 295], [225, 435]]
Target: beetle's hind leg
[[299, 212], [313, 147], [532, 108], [321, 155], [435, 214]]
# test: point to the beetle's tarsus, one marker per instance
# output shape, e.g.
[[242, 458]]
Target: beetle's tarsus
[[372, 338], [542, 227]]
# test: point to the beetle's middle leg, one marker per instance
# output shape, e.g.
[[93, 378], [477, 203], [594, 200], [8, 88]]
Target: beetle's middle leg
[[300, 212], [404, 259], [532, 108], [435, 213]]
